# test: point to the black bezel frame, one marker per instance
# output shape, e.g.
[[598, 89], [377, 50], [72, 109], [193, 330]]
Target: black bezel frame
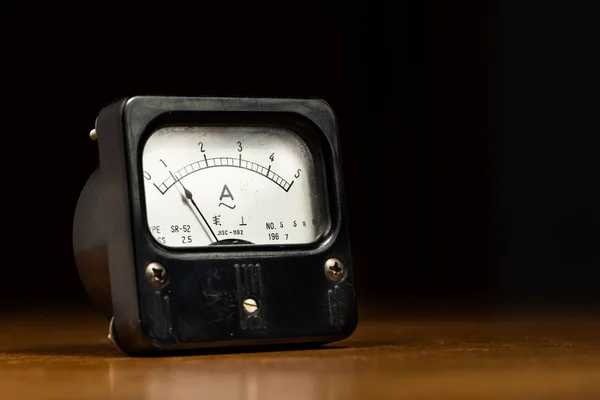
[[297, 302]]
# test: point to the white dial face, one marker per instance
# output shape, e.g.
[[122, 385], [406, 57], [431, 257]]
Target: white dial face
[[231, 185]]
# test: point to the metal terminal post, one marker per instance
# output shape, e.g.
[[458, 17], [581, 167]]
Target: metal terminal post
[[94, 132]]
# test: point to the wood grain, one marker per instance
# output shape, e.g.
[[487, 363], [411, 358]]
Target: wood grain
[[64, 354]]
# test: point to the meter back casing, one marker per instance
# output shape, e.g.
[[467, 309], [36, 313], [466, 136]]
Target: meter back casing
[[201, 304]]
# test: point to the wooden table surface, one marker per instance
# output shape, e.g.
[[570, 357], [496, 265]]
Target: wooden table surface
[[58, 354]]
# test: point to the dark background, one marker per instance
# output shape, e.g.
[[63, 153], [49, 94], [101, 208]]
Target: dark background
[[469, 131]]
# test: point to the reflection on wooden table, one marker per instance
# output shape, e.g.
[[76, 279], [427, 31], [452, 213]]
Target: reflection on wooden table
[[65, 354]]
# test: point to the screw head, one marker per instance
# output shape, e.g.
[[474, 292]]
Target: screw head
[[156, 274], [335, 270], [250, 305]]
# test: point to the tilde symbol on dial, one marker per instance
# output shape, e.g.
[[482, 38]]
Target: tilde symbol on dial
[[226, 193]]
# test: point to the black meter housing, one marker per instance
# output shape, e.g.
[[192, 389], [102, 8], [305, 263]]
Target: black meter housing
[[297, 294]]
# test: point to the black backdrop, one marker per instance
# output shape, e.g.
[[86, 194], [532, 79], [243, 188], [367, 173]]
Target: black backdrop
[[469, 130]]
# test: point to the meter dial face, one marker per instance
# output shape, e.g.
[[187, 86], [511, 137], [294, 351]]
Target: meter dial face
[[217, 185]]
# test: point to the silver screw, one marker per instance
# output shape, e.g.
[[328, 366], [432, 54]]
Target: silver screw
[[250, 305], [156, 274], [335, 270]]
